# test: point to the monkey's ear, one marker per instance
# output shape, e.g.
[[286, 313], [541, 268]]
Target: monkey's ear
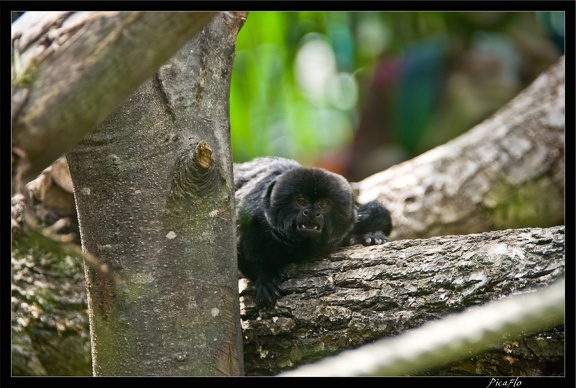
[[268, 196]]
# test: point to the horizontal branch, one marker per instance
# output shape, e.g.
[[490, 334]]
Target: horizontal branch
[[456, 336], [359, 294], [70, 70]]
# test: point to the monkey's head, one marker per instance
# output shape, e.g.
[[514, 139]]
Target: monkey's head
[[310, 203]]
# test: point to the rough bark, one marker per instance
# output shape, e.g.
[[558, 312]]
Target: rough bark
[[50, 335], [70, 70], [154, 192], [457, 336], [507, 172], [357, 295], [50, 329]]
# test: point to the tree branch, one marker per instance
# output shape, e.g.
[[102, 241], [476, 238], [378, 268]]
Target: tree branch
[[70, 70], [507, 172], [454, 337], [359, 294]]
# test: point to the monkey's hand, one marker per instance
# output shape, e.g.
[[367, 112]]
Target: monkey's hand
[[372, 226], [267, 288]]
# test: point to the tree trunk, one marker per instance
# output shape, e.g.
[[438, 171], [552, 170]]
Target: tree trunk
[[359, 294], [507, 172], [155, 198], [70, 70]]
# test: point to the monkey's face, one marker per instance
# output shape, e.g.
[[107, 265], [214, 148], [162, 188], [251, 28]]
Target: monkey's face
[[310, 215], [310, 203]]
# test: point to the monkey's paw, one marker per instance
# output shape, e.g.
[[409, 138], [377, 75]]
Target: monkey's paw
[[370, 238], [268, 290]]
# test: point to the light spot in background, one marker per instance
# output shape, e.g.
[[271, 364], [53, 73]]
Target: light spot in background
[[342, 91], [372, 36], [315, 65]]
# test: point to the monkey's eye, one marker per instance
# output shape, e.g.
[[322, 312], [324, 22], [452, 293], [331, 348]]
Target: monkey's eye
[[322, 204], [301, 201]]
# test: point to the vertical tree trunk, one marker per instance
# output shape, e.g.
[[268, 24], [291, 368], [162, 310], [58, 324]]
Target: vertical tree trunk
[[155, 200]]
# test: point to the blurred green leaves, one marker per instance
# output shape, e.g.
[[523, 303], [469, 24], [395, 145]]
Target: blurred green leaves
[[293, 92], [300, 78]]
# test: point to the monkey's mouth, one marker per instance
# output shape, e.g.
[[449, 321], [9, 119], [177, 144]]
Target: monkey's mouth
[[309, 227]]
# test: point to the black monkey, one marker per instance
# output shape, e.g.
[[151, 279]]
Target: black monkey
[[287, 213]]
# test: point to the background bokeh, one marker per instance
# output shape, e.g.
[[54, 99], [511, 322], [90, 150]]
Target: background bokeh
[[357, 92]]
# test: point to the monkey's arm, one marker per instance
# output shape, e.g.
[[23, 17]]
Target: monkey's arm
[[260, 256], [266, 278]]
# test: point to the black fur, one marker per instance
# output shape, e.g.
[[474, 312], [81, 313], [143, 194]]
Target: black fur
[[288, 213]]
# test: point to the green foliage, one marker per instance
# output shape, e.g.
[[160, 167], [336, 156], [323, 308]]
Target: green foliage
[[300, 77], [283, 103], [295, 87]]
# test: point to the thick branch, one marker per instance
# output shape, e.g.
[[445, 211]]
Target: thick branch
[[507, 172], [455, 337], [357, 295], [70, 70]]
